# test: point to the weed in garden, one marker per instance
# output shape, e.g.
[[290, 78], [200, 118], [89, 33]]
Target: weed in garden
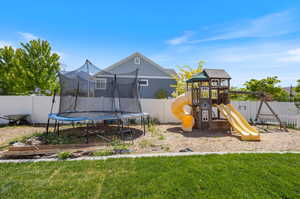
[[105, 152], [64, 155], [161, 137], [145, 143]]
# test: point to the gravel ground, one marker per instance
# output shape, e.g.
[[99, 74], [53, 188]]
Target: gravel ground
[[170, 138]]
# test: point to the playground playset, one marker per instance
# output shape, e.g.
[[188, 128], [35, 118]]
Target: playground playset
[[208, 96]]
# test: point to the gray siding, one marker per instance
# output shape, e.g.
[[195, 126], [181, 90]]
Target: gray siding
[[156, 84], [145, 68], [145, 91]]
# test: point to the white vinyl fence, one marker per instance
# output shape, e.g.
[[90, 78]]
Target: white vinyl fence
[[39, 107]]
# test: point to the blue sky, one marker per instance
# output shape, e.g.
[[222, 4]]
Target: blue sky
[[249, 39]]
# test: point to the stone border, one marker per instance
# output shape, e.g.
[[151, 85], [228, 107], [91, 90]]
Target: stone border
[[147, 155]]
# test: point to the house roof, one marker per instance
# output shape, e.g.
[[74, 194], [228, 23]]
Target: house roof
[[171, 71], [167, 71], [209, 73]]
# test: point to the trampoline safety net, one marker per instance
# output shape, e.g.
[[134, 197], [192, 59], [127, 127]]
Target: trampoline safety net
[[83, 95]]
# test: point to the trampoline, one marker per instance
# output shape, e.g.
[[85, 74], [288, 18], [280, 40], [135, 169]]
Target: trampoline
[[89, 99]]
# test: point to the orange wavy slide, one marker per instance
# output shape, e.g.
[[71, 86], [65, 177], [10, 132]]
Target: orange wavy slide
[[178, 111]]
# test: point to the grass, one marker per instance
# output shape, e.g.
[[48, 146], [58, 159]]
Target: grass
[[212, 176]]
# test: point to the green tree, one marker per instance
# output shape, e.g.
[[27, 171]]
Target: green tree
[[239, 97], [185, 73], [10, 82], [27, 68], [297, 88], [40, 66], [268, 86], [297, 94]]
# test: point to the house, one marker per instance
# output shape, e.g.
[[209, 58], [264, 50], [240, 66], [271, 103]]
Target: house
[[153, 78]]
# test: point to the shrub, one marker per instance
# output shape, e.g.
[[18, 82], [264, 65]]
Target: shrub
[[64, 155], [153, 121], [132, 121], [161, 94]]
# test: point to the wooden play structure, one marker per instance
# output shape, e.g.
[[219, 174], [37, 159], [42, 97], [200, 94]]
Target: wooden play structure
[[208, 89], [208, 96]]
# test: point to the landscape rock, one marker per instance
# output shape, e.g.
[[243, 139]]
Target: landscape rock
[[34, 141], [18, 144]]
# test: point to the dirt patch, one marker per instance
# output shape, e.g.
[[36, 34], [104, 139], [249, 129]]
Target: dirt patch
[[10, 133], [170, 138]]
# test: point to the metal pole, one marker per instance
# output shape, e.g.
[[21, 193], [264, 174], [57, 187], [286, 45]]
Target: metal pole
[[86, 133], [51, 110]]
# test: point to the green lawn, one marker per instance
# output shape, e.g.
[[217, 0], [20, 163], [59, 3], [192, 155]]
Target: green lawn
[[212, 176]]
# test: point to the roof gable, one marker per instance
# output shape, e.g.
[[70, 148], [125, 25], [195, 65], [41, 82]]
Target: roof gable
[[146, 68]]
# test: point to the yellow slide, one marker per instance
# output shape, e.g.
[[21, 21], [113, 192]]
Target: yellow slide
[[239, 123], [177, 107]]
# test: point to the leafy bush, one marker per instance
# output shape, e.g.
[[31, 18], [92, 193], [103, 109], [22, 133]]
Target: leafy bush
[[64, 155], [161, 94], [132, 121]]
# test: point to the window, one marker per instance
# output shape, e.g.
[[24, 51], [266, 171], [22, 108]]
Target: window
[[101, 83], [214, 82], [137, 60], [224, 82], [204, 115], [143, 82], [214, 94]]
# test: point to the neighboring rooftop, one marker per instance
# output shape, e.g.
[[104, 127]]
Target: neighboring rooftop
[[168, 72]]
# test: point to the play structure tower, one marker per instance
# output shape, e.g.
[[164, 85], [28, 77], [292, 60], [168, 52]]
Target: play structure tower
[[208, 89], [208, 96]]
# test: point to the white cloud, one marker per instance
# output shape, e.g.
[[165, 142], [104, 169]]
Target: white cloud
[[243, 61], [292, 55], [274, 24], [28, 36], [181, 39], [271, 25]]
